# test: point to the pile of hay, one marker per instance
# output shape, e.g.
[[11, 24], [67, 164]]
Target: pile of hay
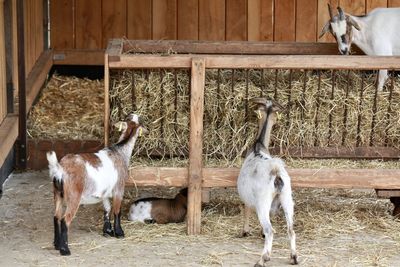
[[314, 116], [68, 108]]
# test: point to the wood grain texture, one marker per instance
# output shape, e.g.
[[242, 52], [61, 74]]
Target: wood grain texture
[[8, 135], [323, 18], [39, 38], [61, 27], [285, 20], [253, 20], [195, 174], [372, 4], [353, 7], [113, 20], [164, 19], [236, 20], [267, 20], [3, 87], [88, 24], [212, 20], [306, 21], [393, 3], [188, 20], [139, 20]]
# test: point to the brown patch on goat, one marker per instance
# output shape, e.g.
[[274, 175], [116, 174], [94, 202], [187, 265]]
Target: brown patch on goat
[[170, 210], [92, 159]]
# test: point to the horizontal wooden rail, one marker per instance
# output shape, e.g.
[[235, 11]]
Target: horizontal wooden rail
[[79, 57], [313, 178], [258, 62]]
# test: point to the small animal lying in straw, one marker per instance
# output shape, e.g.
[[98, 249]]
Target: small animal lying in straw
[[160, 210], [90, 178]]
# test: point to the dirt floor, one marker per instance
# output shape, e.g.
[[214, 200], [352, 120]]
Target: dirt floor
[[333, 227]]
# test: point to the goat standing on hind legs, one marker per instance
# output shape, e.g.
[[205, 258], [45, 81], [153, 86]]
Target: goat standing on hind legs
[[263, 182], [90, 178]]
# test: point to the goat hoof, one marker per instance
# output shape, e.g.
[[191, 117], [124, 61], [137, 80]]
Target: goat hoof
[[108, 233], [56, 246], [65, 252], [293, 259], [245, 234], [119, 234]]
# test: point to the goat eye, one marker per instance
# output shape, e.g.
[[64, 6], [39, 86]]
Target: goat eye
[[343, 38]]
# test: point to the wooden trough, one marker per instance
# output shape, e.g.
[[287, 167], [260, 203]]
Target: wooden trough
[[196, 176]]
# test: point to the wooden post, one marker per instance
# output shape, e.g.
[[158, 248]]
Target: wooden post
[[106, 101], [196, 146]]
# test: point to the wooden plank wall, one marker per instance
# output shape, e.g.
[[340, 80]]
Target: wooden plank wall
[[34, 32], [88, 24], [3, 88]]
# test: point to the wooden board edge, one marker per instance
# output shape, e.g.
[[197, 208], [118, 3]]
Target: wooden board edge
[[79, 57], [8, 135]]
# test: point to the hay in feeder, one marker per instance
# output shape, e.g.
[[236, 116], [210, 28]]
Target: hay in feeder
[[317, 113], [68, 108]]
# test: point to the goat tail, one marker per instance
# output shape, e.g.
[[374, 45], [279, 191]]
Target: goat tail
[[276, 171], [55, 168]]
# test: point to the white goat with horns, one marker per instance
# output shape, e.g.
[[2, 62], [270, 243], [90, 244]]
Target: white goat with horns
[[377, 33], [264, 184]]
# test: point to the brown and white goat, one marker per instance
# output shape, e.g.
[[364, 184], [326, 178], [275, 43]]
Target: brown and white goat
[[90, 178], [160, 210]]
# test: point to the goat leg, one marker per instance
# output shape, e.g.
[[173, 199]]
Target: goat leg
[[107, 228], [56, 233], [64, 250], [118, 232]]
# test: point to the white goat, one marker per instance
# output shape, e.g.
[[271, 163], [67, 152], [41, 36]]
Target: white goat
[[263, 182], [90, 178], [376, 33]]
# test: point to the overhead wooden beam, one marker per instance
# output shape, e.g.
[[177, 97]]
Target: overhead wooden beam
[[313, 178], [258, 62]]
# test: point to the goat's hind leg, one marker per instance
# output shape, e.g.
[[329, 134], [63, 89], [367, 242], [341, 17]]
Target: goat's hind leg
[[107, 228], [263, 216], [288, 208], [57, 219], [69, 215]]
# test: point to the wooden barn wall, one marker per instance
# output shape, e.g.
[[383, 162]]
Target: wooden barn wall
[[88, 24], [34, 32], [3, 81]]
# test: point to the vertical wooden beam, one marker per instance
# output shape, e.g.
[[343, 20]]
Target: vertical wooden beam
[[3, 86], [306, 21], [253, 20], [188, 20], [113, 20], [106, 101], [285, 21], [196, 146], [139, 19], [212, 20], [267, 20], [236, 20], [164, 19]]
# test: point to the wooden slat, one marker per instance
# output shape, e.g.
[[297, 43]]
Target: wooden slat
[[393, 3], [306, 21], [212, 20], [27, 47], [372, 4], [3, 87], [37, 76], [79, 57], [236, 20], [353, 7], [8, 135], [231, 47], [106, 101], [139, 19], [15, 47], [188, 20], [195, 175], [88, 24], [267, 20], [267, 62], [254, 20], [285, 20], [164, 19], [323, 18], [39, 40], [61, 27], [387, 193], [113, 20], [313, 178]]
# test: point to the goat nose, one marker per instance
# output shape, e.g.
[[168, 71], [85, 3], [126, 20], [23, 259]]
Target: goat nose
[[344, 51]]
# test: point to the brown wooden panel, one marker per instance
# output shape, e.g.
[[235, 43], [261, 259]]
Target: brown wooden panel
[[39, 42], [32, 32], [253, 20], [164, 19], [285, 20], [393, 3], [323, 18], [371, 4], [3, 88], [306, 21], [212, 20], [188, 20], [353, 7], [236, 20], [61, 26], [88, 24], [267, 20], [113, 19], [139, 19], [27, 47], [8, 135]]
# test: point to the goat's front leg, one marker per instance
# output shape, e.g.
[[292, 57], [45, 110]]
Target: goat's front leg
[[118, 232], [382, 77], [107, 228], [246, 226]]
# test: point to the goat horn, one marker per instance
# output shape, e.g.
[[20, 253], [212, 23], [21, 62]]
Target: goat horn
[[330, 11], [341, 13]]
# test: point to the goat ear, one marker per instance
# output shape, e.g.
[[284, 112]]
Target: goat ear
[[121, 125], [325, 29], [259, 100], [352, 22]]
